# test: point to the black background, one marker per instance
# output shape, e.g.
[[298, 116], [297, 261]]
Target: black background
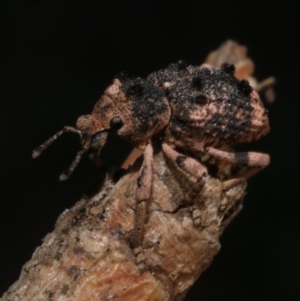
[[57, 58]]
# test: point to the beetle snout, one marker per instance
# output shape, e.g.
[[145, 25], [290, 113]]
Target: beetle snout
[[89, 125], [84, 122]]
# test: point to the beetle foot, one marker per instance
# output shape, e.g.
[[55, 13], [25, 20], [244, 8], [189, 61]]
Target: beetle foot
[[140, 258]]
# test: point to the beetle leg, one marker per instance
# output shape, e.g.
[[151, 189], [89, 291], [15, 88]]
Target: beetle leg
[[144, 180], [47, 143], [97, 143], [193, 168], [228, 184], [144, 183], [188, 164], [132, 157], [256, 161]]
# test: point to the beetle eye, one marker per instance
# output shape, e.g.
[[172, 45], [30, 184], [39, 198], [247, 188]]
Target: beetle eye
[[116, 123]]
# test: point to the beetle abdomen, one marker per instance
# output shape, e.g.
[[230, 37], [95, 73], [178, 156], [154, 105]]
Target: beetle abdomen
[[211, 106]]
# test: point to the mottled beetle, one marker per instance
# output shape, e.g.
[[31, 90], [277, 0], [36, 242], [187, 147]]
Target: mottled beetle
[[189, 109]]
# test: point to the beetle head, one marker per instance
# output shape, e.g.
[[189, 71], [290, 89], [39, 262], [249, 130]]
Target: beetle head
[[133, 109]]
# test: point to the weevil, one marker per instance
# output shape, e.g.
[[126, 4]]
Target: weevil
[[188, 109]]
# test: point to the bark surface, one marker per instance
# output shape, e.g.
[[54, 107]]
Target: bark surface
[[88, 255]]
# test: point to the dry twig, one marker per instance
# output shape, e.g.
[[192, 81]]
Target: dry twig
[[88, 256]]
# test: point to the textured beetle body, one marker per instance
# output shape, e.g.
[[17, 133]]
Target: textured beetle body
[[210, 107], [193, 108], [189, 109]]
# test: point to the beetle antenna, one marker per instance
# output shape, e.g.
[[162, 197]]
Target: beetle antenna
[[65, 175], [43, 146]]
